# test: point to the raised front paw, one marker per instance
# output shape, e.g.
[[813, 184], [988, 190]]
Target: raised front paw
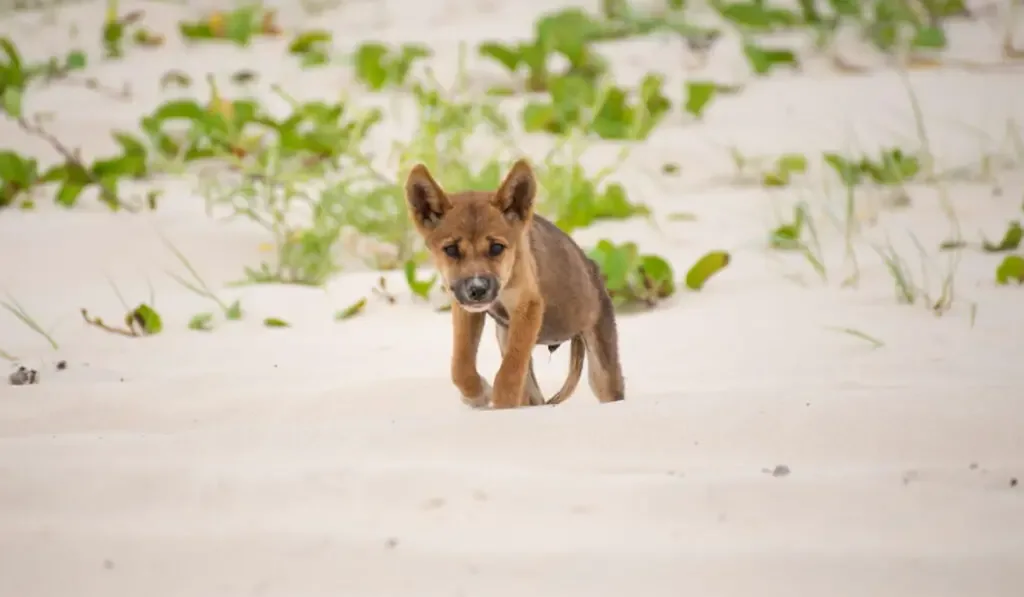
[[482, 399]]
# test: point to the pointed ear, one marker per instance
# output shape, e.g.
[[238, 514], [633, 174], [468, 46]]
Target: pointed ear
[[426, 199], [516, 194]]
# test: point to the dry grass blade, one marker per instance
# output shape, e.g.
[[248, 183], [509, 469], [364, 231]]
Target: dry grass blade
[[875, 342], [18, 311], [200, 287], [906, 291]]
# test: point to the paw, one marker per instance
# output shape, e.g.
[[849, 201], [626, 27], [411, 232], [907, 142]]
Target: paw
[[481, 400], [504, 398]]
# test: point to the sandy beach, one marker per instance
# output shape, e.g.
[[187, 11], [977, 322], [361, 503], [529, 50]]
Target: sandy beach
[[783, 434]]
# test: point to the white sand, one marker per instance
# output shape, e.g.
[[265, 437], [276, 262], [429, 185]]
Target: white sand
[[336, 459]]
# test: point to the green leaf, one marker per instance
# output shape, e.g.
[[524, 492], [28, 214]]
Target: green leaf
[[846, 8], [658, 276], [351, 311], [16, 169], [539, 117], [1011, 240], [241, 24], [369, 62], [309, 40], [130, 144], [13, 74], [809, 10], [509, 56], [175, 109], [67, 194], [793, 163], [201, 322], [929, 38], [787, 236], [132, 166], [75, 60], [849, 172], [273, 322], [1010, 270], [698, 95], [748, 14], [707, 266], [615, 262], [234, 311], [420, 288], [785, 167], [12, 101], [763, 61], [146, 319]]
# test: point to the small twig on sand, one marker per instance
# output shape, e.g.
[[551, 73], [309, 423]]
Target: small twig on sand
[[98, 322]]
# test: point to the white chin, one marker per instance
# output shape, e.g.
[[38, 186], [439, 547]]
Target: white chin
[[476, 308]]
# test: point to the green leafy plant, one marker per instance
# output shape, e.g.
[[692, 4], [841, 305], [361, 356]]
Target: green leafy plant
[[240, 130], [568, 33], [892, 167], [378, 66], [238, 26], [573, 199], [632, 278], [116, 27], [16, 74], [606, 111], [20, 175]]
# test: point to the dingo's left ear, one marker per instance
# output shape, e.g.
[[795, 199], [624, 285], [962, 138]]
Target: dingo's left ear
[[426, 199], [516, 194]]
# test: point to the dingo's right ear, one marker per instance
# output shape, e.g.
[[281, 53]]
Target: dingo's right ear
[[426, 199]]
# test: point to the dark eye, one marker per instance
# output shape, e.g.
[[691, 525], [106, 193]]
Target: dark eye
[[496, 249], [452, 250]]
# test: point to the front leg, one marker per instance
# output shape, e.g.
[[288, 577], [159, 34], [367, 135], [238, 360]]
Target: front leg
[[523, 328], [467, 328]]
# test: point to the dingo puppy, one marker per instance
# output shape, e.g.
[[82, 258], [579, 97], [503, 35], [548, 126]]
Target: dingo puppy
[[498, 259]]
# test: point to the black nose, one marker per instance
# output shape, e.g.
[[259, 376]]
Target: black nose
[[477, 289]]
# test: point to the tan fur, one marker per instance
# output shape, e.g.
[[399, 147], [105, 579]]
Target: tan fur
[[494, 253]]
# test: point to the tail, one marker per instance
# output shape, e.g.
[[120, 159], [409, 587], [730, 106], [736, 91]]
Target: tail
[[576, 352]]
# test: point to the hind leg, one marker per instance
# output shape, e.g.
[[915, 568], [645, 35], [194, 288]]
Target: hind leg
[[604, 372], [531, 391]]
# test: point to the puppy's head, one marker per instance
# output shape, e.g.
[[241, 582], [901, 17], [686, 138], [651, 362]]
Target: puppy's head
[[473, 236]]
